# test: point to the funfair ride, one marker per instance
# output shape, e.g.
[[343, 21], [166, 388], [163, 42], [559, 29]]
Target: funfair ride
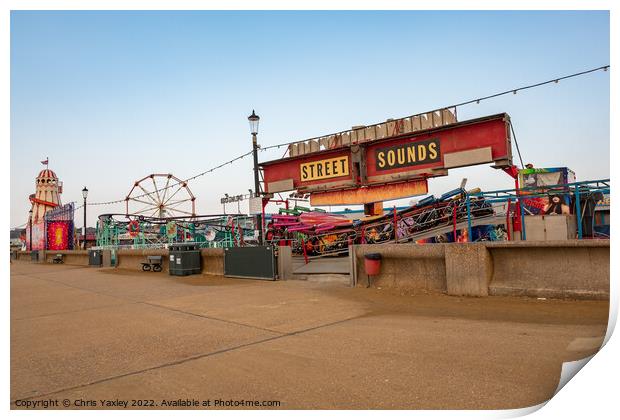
[[160, 195]]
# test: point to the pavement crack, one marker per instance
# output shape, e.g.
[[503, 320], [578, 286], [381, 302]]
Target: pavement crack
[[211, 317], [188, 359], [84, 289], [73, 311]]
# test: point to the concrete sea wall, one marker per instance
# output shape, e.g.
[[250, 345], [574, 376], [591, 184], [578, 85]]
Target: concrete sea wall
[[576, 269], [558, 269]]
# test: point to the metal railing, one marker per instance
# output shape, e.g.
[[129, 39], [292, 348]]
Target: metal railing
[[518, 197]]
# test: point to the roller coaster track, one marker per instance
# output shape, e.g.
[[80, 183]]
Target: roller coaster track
[[431, 233]]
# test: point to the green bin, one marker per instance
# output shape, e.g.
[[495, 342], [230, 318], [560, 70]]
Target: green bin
[[184, 260]]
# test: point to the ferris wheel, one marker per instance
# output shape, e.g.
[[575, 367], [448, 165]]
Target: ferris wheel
[[160, 195]]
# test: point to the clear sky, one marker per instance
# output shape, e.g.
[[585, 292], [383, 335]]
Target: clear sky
[[113, 96]]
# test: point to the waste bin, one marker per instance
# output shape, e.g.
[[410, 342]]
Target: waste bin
[[185, 259], [95, 258], [34, 255], [372, 265]]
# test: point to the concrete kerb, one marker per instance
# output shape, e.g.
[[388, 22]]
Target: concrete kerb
[[469, 269], [556, 269], [132, 259], [405, 266], [561, 269], [70, 257], [212, 261]]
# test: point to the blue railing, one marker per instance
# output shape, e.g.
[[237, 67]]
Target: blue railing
[[516, 196]]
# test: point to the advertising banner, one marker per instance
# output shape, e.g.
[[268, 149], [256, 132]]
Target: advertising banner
[[60, 235], [38, 236], [538, 181]]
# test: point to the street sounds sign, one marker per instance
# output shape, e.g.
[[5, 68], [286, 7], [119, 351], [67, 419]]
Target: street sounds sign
[[408, 154], [324, 169], [393, 166]]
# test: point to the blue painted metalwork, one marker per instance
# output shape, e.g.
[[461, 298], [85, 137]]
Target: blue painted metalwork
[[469, 230], [523, 236], [578, 211], [576, 188]]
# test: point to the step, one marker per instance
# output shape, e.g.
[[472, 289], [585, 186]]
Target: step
[[343, 279]]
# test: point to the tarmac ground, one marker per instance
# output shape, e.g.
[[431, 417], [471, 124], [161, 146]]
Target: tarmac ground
[[108, 338]]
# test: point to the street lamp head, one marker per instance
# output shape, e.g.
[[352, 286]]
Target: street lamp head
[[254, 119], [85, 193]]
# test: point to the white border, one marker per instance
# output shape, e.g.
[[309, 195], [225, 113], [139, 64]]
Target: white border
[[592, 394]]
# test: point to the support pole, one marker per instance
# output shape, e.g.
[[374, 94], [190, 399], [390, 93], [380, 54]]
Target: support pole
[[523, 236], [303, 246], [469, 230], [578, 211], [454, 223], [395, 226], [508, 219], [84, 224], [257, 189]]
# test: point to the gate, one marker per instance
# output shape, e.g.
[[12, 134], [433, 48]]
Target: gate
[[252, 262]]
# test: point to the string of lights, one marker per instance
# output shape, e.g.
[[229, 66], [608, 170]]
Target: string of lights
[[468, 102], [484, 98], [102, 203]]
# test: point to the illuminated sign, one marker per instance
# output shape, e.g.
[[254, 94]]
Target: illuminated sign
[[324, 169], [408, 154]]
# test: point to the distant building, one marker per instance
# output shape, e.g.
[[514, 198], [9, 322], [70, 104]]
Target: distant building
[[91, 238], [18, 239]]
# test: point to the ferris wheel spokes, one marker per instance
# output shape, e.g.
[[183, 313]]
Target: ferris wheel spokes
[[159, 202], [163, 198]]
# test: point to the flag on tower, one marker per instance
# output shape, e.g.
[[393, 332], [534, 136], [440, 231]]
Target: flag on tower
[[46, 161]]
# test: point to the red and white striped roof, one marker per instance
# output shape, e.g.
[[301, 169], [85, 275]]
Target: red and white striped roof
[[47, 173]]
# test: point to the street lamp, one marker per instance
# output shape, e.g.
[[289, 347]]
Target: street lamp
[[30, 212], [84, 194], [254, 119]]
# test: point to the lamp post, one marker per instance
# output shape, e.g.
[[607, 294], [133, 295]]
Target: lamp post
[[254, 119], [84, 194], [30, 212]]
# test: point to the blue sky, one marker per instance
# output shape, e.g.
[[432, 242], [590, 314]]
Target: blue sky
[[113, 96]]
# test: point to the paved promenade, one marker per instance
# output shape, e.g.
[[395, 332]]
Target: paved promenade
[[106, 338]]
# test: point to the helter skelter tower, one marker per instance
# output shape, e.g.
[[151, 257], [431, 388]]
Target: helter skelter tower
[[45, 198], [47, 195]]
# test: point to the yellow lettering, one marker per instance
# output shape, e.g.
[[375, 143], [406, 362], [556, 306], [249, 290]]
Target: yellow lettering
[[321, 169], [391, 157], [411, 154], [381, 158], [401, 156], [421, 152], [432, 149]]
